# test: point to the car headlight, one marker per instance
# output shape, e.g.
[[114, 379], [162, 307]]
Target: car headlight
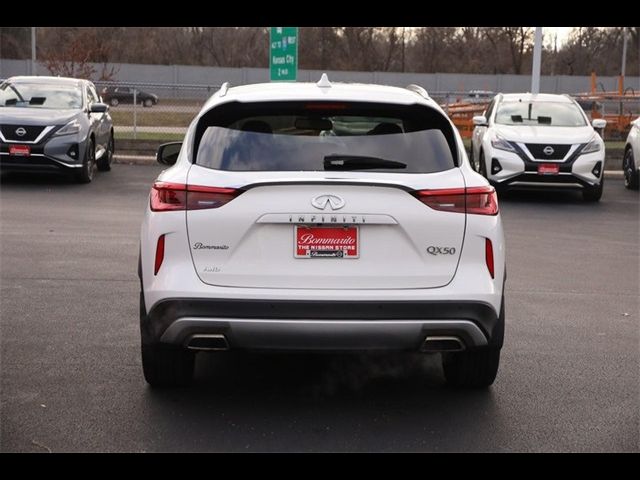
[[592, 146], [70, 128], [501, 144]]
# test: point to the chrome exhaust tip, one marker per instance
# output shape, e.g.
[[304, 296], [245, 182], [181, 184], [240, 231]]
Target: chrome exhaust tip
[[208, 342], [442, 344]]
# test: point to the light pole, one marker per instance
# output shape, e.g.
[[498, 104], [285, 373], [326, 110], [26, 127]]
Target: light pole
[[33, 50], [623, 70], [537, 55]]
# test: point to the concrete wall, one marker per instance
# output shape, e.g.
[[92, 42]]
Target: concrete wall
[[432, 82]]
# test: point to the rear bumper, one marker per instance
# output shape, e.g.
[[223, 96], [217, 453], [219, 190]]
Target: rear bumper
[[312, 325]]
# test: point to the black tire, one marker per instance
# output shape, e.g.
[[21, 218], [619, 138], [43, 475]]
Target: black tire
[[148, 102], [631, 180], [593, 194], [114, 102], [471, 369], [482, 168], [85, 175], [104, 163], [472, 160], [164, 365]]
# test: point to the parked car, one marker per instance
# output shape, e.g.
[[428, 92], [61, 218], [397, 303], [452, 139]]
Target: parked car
[[273, 230], [54, 124], [526, 141], [631, 159], [114, 96]]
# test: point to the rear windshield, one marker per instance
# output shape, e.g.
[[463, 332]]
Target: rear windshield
[[556, 114], [296, 136]]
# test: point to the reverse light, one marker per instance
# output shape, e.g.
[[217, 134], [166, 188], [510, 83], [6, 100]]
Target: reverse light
[[501, 144], [167, 196], [592, 146], [475, 200], [488, 255], [70, 128], [159, 254]]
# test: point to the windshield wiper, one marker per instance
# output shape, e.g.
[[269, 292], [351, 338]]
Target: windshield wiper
[[359, 162]]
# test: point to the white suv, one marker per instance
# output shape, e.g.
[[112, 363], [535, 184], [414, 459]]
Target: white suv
[[321, 217], [631, 159], [526, 141]]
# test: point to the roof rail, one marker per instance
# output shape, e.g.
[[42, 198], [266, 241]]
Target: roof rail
[[223, 89], [417, 89]]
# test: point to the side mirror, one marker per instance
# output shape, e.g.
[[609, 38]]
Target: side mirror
[[98, 108], [480, 121], [599, 123], [167, 153]]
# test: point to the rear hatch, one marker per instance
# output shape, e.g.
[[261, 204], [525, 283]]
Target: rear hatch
[[324, 201]]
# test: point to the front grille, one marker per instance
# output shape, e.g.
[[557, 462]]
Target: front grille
[[31, 132], [537, 150]]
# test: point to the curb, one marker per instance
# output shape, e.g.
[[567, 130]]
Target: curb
[[149, 160], [134, 159]]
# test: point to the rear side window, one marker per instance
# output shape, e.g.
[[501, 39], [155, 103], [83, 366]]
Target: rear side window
[[320, 136]]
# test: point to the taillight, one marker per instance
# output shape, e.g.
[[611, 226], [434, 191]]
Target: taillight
[[488, 255], [476, 200], [159, 254], [176, 196]]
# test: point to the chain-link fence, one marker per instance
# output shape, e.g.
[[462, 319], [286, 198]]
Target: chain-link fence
[[153, 111], [156, 113]]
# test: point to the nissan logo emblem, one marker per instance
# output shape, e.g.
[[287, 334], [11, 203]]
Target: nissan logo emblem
[[548, 150], [321, 202], [21, 132]]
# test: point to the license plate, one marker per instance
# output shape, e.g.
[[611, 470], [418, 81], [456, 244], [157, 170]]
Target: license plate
[[20, 150], [548, 169], [326, 242]]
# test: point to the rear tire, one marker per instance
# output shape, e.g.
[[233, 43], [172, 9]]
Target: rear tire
[[167, 366], [593, 194], [631, 180], [104, 163], [162, 365], [471, 369], [114, 102]]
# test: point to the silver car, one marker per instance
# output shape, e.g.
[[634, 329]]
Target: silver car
[[54, 124]]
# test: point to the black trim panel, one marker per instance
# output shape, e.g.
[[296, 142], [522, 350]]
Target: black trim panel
[[163, 314]]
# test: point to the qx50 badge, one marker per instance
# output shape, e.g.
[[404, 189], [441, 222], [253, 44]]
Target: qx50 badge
[[321, 202], [433, 250]]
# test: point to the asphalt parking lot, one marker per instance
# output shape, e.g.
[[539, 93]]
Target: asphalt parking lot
[[72, 380]]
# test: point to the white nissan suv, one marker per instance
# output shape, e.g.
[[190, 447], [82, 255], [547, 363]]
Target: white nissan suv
[[526, 141], [321, 217]]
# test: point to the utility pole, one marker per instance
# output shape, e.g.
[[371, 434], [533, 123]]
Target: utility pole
[[323, 63], [537, 55], [403, 31], [33, 50], [623, 70]]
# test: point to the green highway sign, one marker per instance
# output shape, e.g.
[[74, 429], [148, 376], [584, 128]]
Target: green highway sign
[[283, 54]]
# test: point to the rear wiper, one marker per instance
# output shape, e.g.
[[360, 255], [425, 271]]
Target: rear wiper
[[358, 162]]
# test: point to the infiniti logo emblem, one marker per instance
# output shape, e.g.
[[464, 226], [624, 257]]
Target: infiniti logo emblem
[[321, 201], [21, 132], [548, 150]]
